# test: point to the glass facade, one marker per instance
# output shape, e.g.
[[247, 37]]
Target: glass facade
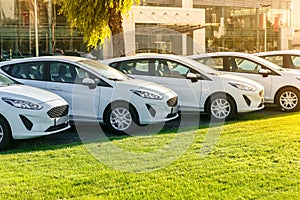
[[17, 29], [243, 25], [246, 29]]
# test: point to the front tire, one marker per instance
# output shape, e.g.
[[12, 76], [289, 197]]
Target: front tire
[[221, 107], [121, 118], [5, 134], [288, 99]]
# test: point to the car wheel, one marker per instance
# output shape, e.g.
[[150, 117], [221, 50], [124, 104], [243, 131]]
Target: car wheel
[[121, 118], [288, 99], [5, 134], [221, 107]]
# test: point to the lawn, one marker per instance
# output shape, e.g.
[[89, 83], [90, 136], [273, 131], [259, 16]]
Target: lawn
[[255, 157]]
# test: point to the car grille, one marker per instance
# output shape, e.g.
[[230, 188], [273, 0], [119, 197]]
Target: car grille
[[172, 102], [59, 111]]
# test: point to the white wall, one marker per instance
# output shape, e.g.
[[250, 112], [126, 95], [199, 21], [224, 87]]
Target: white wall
[[8, 7], [296, 24], [164, 15], [296, 14]]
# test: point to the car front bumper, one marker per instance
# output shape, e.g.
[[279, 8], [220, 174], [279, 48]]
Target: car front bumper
[[27, 124]]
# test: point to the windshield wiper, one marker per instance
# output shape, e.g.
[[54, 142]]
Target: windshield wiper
[[213, 73], [115, 79]]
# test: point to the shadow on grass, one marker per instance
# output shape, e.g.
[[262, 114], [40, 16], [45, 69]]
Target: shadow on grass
[[70, 138]]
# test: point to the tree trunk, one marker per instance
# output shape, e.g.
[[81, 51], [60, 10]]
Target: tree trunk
[[115, 25]]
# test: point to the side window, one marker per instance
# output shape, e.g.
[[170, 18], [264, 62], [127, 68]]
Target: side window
[[32, 71], [68, 73], [141, 67], [246, 66], [167, 68], [296, 61], [136, 67], [278, 60], [216, 63], [127, 67], [62, 72]]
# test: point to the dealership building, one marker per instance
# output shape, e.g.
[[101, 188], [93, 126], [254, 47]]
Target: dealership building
[[166, 26]]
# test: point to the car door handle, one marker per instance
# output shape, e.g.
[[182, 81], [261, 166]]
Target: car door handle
[[163, 82], [56, 88]]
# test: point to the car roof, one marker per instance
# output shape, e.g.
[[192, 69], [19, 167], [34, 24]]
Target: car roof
[[44, 58], [227, 53], [237, 54], [143, 55], [278, 52], [222, 53], [181, 59]]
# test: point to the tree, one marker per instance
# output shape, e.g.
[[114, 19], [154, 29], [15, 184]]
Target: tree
[[98, 19]]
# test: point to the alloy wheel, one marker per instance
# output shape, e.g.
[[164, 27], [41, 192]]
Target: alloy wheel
[[288, 100], [220, 108], [120, 119]]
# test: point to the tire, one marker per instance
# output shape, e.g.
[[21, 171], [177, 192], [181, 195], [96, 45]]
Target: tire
[[121, 118], [221, 107], [5, 134], [288, 99]]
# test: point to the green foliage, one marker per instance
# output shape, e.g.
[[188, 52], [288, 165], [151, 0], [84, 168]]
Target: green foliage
[[91, 17]]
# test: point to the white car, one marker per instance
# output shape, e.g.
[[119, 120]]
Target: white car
[[27, 112], [96, 92], [282, 86], [284, 58], [199, 87]]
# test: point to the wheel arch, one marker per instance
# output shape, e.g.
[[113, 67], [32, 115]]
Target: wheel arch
[[218, 93], [121, 102], [3, 118], [7, 136], [283, 88]]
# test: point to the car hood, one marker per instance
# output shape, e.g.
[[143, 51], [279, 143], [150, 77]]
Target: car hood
[[291, 72], [231, 77], [141, 84], [27, 93]]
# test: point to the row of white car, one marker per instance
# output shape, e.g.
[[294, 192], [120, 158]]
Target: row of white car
[[155, 88], [88, 89], [213, 74]]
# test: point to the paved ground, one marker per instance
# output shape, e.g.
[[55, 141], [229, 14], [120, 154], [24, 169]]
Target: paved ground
[[71, 136]]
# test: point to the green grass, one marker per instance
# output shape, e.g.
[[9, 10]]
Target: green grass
[[257, 157]]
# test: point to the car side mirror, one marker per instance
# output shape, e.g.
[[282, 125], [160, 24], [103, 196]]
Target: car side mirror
[[263, 72], [89, 82], [193, 77]]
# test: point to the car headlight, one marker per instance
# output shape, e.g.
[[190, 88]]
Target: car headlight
[[22, 104], [243, 86], [147, 94]]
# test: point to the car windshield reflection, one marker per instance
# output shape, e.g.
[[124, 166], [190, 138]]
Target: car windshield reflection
[[203, 68], [5, 80], [105, 71]]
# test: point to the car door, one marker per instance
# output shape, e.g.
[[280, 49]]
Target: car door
[[250, 69], [173, 75], [153, 70], [66, 80]]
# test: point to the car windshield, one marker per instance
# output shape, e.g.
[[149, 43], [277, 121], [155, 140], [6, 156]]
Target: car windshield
[[104, 70], [4, 80], [203, 68]]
